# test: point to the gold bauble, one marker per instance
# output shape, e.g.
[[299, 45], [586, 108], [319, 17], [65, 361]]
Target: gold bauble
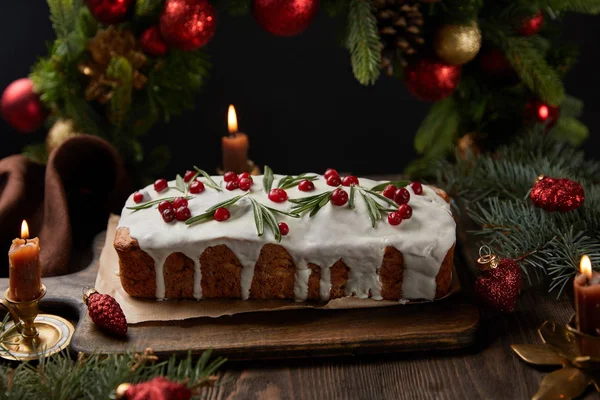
[[60, 131], [457, 44]]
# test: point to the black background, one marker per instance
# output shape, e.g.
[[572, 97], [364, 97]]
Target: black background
[[296, 97]]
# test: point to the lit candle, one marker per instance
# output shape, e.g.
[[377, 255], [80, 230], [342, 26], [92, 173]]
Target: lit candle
[[25, 271], [235, 146], [587, 298]]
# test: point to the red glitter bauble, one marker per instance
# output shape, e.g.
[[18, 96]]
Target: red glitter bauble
[[188, 24], [543, 113], [499, 287], [159, 388], [105, 312], [21, 106], [557, 194], [284, 17], [153, 43], [495, 65], [430, 79], [531, 25], [109, 11]]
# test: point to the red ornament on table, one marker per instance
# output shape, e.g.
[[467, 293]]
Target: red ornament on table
[[109, 11], [188, 24], [153, 43], [531, 25], [557, 194], [430, 79], [21, 106], [159, 388], [105, 312], [284, 17], [499, 283], [587, 298]]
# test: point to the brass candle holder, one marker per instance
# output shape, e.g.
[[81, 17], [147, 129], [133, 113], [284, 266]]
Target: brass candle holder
[[563, 345], [30, 335]]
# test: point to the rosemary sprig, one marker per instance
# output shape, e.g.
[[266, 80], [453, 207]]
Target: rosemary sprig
[[264, 215], [211, 183], [226, 203], [149, 204], [268, 179], [351, 197], [381, 186], [310, 203], [372, 208], [258, 217], [210, 212], [289, 214], [381, 197], [291, 181], [180, 184]]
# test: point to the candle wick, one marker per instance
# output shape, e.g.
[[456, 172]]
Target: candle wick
[[25, 240], [232, 134]]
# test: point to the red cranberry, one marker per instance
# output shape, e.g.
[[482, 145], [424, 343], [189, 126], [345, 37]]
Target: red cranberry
[[389, 191], [339, 197], [196, 187], [278, 195], [232, 185], [284, 228], [417, 187], [168, 215], [350, 180], [230, 176], [306, 186], [138, 197], [394, 218], [330, 172], [402, 196], [245, 184], [182, 213], [405, 211], [244, 175], [160, 185], [180, 202], [334, 180], [222, 214], [188, 175], [165, 205]]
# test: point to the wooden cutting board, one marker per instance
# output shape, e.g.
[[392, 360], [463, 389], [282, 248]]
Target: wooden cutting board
[[446, 324]]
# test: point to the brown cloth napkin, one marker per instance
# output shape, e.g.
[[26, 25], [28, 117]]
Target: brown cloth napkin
[[65, 203]]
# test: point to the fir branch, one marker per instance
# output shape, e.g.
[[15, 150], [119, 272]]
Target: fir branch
[[36, 152], [120, 103], [63, 15], [581, 6], [148, 8], [570, 130], [363, 42]]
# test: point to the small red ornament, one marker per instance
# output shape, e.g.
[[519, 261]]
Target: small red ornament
[[232, 185], [543, 113], [284, 229], [230, 176], [160, 185], [405, 211], [159, 388], [350, 180], [306, 186], [339, 197], [109, 11], [188, 24], [246, 184], [196, 187], [333, 180], [222, 214], [21, 106], [557, 194], [495, 65], [168, 215], [499, 284], [389, 191], [182, 213], [105, 312], [284, 17], [417, 188], [188, 175], [138, 197], [330, 172], [402, 196], [164, 205], [153, 43], [531, 25], [430, 79], [278, 195]]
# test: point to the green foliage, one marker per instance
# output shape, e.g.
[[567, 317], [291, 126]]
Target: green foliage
[[120, 103], [148, 9], [36, 152], [363, 42], [63, 14], [234, 7], [582, 6], [335, 7]]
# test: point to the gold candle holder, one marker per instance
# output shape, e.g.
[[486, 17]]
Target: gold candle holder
[[30, 335]]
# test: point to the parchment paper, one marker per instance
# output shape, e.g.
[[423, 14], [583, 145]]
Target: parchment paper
[[145, 310]]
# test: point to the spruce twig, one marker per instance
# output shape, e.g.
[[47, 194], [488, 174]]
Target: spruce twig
[[363, 42]]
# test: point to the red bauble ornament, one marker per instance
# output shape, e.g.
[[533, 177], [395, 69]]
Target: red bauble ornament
[[21, 106], [109, 11], [430, 79], [557, 194], [495, 65], [531, 25], [153, 44], [105, 312], [284, 17], [543, 113], [159, 388], [499, 287], [188, 24]]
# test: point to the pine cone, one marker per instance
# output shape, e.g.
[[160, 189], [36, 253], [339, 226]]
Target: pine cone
[[105, 312], [400, 25], [159, 388]]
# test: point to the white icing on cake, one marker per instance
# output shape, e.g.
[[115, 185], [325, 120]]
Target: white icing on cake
[[333, 233]]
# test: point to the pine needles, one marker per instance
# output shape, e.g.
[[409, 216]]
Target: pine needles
[[363, 42]]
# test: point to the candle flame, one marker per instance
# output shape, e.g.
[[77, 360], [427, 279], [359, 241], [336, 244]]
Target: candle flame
[[232, 120], [24, 230], [586, 266]]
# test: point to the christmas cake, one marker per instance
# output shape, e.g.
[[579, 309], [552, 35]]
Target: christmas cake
[[306, 237]]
